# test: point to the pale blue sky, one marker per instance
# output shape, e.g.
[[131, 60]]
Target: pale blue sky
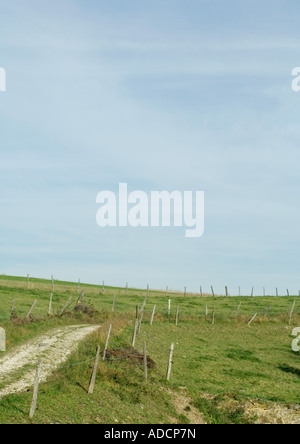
[[161, 94]]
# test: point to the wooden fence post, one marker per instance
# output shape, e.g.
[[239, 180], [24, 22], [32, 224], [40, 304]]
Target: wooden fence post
[[213, 316], [35, 390], [145, 361], [135, 332], [50, 305], [291, 312], [80, 299], [212, 291], [107, 340], [152, 315], [170, 362], [140, 321], [12, 308], [65, 306], [169, 308], [141, 314], [31, 309], [135, 326], [251, 320], [268, 311], [143, 305], [93, 378]]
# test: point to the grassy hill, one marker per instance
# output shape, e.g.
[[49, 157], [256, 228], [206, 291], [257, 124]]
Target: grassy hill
[[219, 365]]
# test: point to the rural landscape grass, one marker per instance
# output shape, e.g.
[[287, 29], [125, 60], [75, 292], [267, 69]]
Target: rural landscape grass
[[220, 363]]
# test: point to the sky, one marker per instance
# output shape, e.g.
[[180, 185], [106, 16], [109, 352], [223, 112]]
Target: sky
[[190, 95]]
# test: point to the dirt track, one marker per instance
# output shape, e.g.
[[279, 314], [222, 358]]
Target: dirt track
[[17, 369]]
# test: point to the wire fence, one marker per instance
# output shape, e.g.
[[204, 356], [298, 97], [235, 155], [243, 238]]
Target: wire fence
[[178, 309]]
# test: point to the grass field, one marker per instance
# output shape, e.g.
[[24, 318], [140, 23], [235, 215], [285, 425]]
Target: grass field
[[219, 362]]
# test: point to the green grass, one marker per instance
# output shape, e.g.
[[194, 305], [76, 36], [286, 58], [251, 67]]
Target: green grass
[[226, 360], [228, 357]]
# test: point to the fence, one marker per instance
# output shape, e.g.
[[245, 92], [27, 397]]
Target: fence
[[169, 308]]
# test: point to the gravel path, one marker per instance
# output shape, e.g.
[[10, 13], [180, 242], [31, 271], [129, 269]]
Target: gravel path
[[18, 368]]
